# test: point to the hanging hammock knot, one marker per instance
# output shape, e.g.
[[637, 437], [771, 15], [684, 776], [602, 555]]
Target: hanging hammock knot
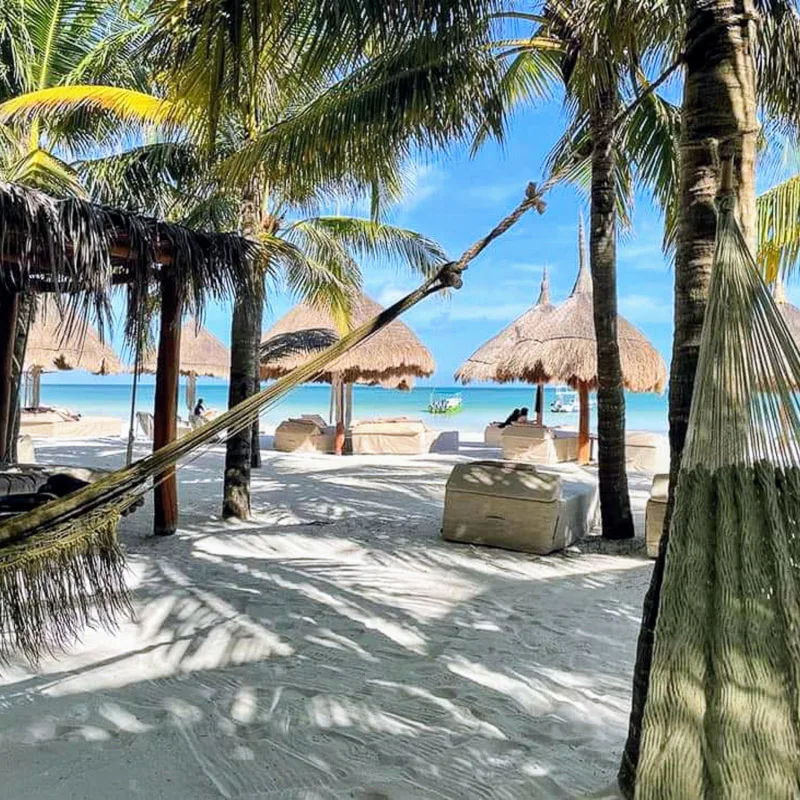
[[533, 194], [450, 275]]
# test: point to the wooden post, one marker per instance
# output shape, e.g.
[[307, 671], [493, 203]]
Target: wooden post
[[584, 443], [9, 305], [539, 404], [348, 413], [191, 391], [338, 447], [36, 387], [165, 413]]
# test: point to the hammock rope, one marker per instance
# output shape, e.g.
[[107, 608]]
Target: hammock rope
[[61, 566], [722, 717]]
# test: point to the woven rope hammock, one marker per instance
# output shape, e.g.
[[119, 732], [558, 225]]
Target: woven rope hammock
[[61, 566], [722, 717]]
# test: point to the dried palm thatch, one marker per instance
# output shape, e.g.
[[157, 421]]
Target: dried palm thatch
[[483, 364], [202, 353], [722, 717], [78, 250], [392, 358], [562, 348], [61, 567], [55, 342]]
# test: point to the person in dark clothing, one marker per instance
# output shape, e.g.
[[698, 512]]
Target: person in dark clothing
[[523, 415], [199, 409], [512, 417]]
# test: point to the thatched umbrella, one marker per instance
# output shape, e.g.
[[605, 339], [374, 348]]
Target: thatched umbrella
[[201, 355], [563, 349], [392, 358], [55, 343], [483, 364]]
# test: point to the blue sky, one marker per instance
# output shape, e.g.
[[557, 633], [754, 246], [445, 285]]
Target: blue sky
[[457, 199]]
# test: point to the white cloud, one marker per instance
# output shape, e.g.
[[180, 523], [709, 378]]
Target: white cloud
[[424, 181], [436, 313], [645, 257], [521, 266], [497, 192], [643, 309], [391, 294]]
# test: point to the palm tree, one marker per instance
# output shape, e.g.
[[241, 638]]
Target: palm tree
[[299, 128], [594, 45], [730, 66]]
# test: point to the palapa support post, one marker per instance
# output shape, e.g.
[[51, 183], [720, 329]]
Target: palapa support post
[[348, 413], [584, 442], [191, 391], [338, 447], [165, 416], [9, 304], [539, 404]]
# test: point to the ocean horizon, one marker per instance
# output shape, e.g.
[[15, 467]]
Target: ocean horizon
[[481, 404]]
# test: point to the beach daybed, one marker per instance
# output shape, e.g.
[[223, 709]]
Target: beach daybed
[[26, 486], [399, 436], [145, 423], [57, 422], [655, 511], [538, 444], [519, 506], [307, 434], [647, 452], [492, 435]]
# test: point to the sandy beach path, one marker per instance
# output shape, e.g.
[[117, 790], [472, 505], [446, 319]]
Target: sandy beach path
[[335, 647]]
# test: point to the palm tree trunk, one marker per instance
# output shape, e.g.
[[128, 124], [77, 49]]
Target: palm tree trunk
[[615, 504], [238, 453], [245, 339], [255, 447], [718, 105]]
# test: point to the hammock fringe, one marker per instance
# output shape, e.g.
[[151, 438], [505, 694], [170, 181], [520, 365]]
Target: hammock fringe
[[57, 584]]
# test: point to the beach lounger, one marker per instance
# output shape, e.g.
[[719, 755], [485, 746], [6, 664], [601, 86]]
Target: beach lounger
[[538, 444], [144, 423], [397, 436], [519, 506], [655, 511], [647, 452], [492, 435], [26, 454], [307, 434], [61, 423]]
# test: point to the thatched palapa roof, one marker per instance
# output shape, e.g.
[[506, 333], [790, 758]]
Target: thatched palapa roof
[[563, 349], [483, 364], [201, 353], [393, 357], [73, 246], [56, 342]]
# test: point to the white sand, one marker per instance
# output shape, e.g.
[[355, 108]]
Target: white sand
[[335, 647]]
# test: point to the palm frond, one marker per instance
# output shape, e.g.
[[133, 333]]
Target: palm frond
[[126, 105], [381, 112], [42, 170], [779, 229], [366, 238]]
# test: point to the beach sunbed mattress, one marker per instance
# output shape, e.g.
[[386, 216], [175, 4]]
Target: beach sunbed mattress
[[518, 506]]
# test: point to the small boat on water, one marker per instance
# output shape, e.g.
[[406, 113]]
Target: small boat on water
[[566, 402], [447, 404]]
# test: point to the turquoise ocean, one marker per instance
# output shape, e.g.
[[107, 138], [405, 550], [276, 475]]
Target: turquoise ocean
[[480, 404]]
